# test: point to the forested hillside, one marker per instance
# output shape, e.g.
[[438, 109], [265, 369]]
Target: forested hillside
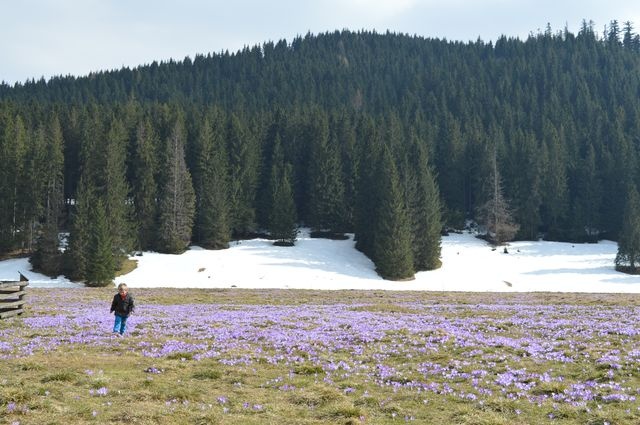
[[388, 136]]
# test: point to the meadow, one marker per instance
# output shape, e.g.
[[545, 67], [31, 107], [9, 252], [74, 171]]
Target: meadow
[[251, 356]]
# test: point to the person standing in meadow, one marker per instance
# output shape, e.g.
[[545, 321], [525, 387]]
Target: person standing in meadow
[[123, 305]]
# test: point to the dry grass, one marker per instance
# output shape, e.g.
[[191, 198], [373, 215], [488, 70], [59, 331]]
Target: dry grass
[[264, 375]]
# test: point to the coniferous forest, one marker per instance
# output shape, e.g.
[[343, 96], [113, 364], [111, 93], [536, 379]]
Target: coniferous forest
[[388, 136]]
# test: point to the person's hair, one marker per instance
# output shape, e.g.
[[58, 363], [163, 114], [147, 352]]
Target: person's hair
[[122, 286]]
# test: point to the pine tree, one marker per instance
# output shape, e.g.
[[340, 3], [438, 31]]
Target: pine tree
[[425, 213], [392, 241], [177, 197], [100, 267], [32, 193], [450, 166], [555, 190], [144, 185], [244, 157], [628, 257], [12, 179], [212, 229], [587, 202], [326, 188], [367, 196], [282, 221], [75, 257], [115, 192], [47, 257], [346, 139], [282, 215]]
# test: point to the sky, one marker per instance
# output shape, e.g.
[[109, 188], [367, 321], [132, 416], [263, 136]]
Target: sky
[[469, 264], [45, 38]]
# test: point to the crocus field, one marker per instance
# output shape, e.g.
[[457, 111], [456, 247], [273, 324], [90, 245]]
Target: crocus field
[[278, 356]]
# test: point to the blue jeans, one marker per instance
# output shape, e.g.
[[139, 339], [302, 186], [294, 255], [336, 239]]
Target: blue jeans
[[120, 324]]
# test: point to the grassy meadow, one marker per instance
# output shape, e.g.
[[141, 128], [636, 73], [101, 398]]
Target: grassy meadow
[[313, 357]]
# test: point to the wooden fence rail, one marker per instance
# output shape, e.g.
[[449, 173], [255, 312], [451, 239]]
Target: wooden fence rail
[[13, 297]]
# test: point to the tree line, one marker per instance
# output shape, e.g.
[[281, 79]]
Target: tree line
[[389, 136]]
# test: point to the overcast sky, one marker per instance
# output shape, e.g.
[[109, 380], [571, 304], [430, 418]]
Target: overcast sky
[[61, 37]]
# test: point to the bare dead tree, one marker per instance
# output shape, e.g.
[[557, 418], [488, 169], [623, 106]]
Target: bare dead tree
[[495, 214]]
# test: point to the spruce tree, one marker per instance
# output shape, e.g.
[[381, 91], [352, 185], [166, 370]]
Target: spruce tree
[[101, 263], [367, 196], [526, 184], [177, 197], [449, 165], [212, 228], [425, 213], [75, 257], [281, 214], [326, 188], [13, 145], [282, 221], [31, 206], [244, 158], [587, 201], [628, 256], [115, 192], [346, 140], [555, 189], [144, 185], [47, 256], [393, 255]]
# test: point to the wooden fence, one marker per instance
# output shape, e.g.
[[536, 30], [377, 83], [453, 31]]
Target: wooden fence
[[13, 297]]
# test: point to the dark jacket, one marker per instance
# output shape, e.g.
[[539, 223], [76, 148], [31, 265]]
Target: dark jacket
[[122, 307]]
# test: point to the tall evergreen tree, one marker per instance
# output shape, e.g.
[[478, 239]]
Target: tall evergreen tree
[[244, 157], [115, 192], [75, 257], [177, 197], [101, 264], [282, 221], [346, 139], [367, 197], [526, 183], [628, 256], [47, 256], [449, 164], [212, 228], [555, 190], [392, 241], [425, 212], [587, 201], [145, 187], [326, 188], [13, 145], [32, 194]]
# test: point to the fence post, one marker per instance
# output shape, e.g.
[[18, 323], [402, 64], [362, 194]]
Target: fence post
[[13, 296]]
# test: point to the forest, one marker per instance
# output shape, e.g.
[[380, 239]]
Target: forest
[[392, 137]]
